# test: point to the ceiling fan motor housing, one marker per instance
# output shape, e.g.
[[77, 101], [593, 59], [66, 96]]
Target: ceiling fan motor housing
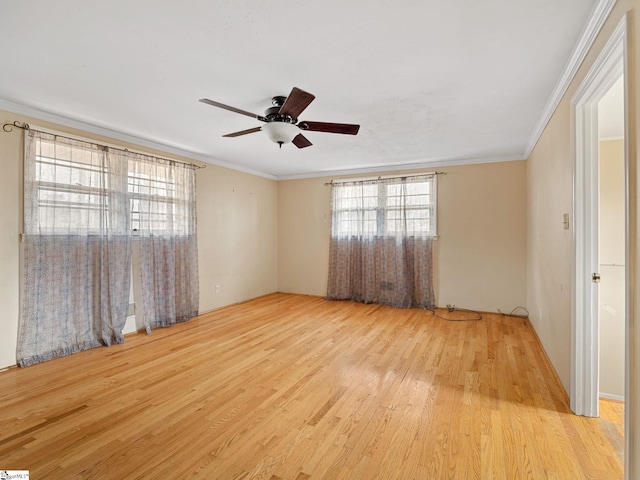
[[278, 101], [272, 114]]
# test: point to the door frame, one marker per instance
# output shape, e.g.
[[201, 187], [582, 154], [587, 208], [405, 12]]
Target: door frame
[[610, 65]]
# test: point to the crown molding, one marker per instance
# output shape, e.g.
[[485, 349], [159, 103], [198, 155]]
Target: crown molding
[[419, 165], [38, 114], [598, 16]]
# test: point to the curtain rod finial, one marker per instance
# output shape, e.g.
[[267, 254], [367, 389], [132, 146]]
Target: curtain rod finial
[[8, 127]]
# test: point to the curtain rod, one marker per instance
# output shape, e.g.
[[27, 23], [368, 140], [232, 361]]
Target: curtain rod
[[8, 128], [399, 177]]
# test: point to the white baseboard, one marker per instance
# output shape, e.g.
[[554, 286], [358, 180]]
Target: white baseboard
[[608, 396]]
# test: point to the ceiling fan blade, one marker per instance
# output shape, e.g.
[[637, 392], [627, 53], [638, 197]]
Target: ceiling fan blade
[[296, 102], [232, 109], [243, 132], [301, 141], [345, 128]]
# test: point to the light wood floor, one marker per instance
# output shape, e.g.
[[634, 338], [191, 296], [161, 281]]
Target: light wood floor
[[295, 387]]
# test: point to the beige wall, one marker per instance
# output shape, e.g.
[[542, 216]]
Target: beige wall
[[549, 244], [549, 187], [303, 236], [11, 148], [480, 256], [237, 232], [237, 236]]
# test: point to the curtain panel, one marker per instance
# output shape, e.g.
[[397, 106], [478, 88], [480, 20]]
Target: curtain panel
[[381, 242], [163, 203], [77, 248]]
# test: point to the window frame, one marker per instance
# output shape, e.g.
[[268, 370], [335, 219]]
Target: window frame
[[382, 207], [171, 202]]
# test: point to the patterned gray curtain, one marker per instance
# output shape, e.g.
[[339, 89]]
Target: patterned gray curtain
[[77, 248], [164, 214], [381, 242]]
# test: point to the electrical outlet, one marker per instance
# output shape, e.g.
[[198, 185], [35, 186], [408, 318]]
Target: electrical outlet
[[217, 288]]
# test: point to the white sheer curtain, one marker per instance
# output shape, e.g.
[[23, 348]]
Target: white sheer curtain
[[381, 241], [77, 248], [163, 206]]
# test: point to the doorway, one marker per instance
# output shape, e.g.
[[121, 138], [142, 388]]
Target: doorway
[[595, 254], [611, 242]]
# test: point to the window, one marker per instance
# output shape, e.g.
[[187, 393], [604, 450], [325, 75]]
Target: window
[[381, 241], [386, 207], [79, 186], [157, 199], [72, 188], [81, 202]]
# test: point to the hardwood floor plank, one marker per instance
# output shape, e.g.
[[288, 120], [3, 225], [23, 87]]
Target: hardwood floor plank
[[612, 422], [290, 387]]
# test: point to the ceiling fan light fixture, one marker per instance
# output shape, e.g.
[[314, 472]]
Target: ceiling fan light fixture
[[281, 120], [280, 132]]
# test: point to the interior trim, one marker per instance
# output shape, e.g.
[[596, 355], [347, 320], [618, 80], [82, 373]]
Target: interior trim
[[419, 165], [591, 30]]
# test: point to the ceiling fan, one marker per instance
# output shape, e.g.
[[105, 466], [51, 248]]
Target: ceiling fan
[[281, 120]]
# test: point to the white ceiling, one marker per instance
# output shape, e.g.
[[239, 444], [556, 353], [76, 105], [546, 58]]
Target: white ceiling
[[430, 82]]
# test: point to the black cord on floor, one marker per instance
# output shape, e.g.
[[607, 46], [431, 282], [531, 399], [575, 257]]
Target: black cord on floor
[[519, 312], [475, 318]]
